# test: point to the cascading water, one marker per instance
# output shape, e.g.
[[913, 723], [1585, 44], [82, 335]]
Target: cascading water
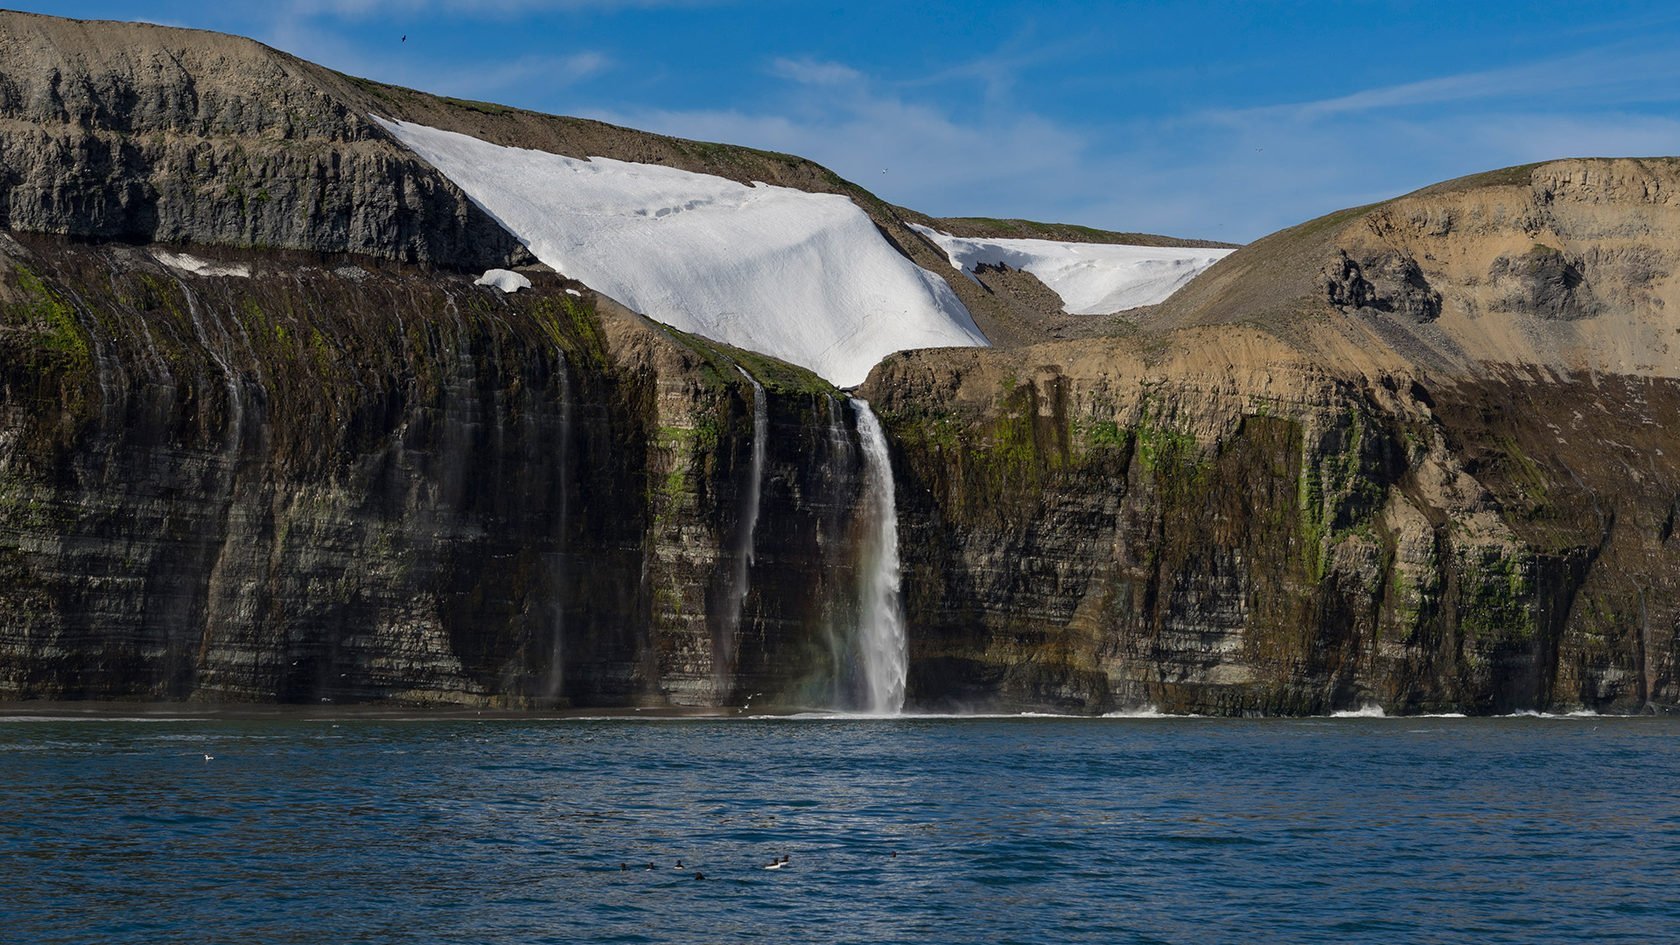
[[882, 645], [749, 523], [744, 556]]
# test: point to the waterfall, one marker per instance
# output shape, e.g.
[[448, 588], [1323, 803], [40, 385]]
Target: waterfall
[[736, 604], [882, 645], [749, 518], [558, 569]]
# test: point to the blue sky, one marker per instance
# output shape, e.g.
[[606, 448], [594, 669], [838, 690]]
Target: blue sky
[[1221, 120]]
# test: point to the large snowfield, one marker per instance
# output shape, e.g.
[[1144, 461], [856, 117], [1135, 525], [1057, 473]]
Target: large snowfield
[[1091, 278], [804, 277]]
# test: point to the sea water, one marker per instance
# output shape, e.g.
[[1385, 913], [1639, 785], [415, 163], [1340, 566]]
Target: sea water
[[351, 829]]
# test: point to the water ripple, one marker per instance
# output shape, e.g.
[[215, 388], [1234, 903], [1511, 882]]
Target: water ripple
[[915, 830]]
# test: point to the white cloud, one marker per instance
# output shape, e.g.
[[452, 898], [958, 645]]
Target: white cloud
[[1619, 72], [813, 72]]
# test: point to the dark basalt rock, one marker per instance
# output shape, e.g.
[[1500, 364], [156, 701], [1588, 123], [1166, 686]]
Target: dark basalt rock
[[1387, 282], [331, 482], [1547, 284]]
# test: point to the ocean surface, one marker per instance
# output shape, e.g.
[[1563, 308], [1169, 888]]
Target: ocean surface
[[305, 829]]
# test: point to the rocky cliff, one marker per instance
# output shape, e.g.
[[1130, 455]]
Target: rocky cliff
[[262, 438], [1416, 455], [325, 482]]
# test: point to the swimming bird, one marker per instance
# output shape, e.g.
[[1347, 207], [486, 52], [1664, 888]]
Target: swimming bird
[[624, 867], [650, 868], [679, 866], [209, 757], [699, 875], [775, 865]]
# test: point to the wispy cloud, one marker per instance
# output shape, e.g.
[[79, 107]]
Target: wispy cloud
[[814, 72], [1614, 72]]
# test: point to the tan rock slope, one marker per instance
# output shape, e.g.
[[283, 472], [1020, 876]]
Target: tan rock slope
[[1567, 266], [1419, 454]]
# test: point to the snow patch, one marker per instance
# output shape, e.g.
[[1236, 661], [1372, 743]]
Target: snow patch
[[1091, 278], [505, 279], [804, 277], [199, 267]]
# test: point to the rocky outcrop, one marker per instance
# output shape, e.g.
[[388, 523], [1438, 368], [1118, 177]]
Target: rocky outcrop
[[1385, 282], [1543, 282]]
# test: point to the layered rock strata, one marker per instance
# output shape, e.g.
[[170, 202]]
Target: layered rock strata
[[356, 482], [1418, 456], [263, 439]]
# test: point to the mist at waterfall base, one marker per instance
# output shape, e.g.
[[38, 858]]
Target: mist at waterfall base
[[910, 830], [867, 665]]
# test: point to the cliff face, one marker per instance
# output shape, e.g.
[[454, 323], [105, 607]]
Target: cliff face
[[1413, 455], [369, 482], [318, 464], [141, 133]]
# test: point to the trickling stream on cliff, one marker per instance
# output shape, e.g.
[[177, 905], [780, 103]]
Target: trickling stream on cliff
[[741, 580], [880, 634]]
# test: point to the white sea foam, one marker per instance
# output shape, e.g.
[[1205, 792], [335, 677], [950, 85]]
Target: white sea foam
[[1143, 712]]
